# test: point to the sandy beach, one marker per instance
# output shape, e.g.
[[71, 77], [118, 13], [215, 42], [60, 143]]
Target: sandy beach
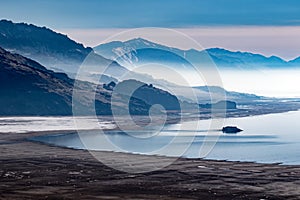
[[32, 170]]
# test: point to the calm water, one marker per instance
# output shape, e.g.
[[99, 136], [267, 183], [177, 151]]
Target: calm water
[[273, 138]]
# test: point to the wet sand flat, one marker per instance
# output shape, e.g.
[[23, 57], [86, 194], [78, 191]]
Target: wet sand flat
[[30, 170]]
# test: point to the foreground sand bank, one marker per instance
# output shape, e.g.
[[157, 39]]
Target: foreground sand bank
[[31, 170]]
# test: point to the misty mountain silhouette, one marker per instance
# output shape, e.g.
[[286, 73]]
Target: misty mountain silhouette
[[139, 50], [28, 88]]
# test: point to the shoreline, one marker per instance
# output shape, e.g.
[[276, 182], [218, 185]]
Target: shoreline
[[54, 133], [34, 170], [238, 113]]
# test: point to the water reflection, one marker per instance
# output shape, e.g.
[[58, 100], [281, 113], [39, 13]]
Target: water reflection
[[269, 138]]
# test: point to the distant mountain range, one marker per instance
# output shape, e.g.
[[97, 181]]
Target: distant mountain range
[[230, 95], [59, 53], [28, 88], [139, 50]]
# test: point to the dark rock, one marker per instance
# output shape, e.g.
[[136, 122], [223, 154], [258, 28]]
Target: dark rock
[[231, 129], [109, 86]]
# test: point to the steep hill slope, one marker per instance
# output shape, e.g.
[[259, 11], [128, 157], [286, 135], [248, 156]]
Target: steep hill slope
[[53, 50], [28, 88]]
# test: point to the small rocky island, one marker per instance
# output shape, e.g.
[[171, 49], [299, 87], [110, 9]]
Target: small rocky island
[[231, 129]]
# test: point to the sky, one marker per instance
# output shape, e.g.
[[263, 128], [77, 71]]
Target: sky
[[269, 27], [154, 13]]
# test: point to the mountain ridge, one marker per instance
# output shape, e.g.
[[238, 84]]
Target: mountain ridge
[[53, 50], [222, 57]]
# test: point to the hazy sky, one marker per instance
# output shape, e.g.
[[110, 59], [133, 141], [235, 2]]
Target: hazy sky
[[263, 26], [162, 13]]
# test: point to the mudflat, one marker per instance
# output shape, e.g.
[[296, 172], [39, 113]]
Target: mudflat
[[30, 170]]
